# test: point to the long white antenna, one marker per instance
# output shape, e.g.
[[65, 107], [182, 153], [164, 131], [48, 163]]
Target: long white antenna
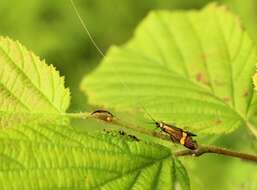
[[102, 54], [86, 29]]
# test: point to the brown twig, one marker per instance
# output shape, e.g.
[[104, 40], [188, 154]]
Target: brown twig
[[141, 130], [118, 122], [197, 152], [216, 150]]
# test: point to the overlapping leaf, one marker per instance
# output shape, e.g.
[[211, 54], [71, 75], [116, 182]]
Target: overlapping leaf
[[192, 68], [58, 157], [29, 88]]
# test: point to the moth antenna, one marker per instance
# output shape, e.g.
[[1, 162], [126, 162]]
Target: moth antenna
[[149, 115], [151, 122], [82, 22], [86, 29]]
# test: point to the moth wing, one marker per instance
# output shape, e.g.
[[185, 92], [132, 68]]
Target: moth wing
[[191, 134]]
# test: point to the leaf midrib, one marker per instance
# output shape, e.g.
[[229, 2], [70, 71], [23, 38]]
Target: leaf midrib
[[134, 170]]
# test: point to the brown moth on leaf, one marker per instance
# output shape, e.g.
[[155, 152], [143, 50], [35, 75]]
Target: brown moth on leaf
[[178, 135], [102, 115]]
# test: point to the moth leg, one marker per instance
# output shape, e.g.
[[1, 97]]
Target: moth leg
[[134, 138], [121, 132], [172, 139]]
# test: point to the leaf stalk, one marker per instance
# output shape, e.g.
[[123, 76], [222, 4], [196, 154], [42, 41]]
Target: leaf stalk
[[216, 150]]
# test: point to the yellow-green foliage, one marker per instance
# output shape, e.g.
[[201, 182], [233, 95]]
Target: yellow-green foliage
[[29, 88], [192, 68]]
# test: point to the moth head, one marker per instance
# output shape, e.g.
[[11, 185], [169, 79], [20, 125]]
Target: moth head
[[159, 124]]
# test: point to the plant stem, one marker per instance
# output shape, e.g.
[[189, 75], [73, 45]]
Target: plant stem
[[216, 150], [81, 115], [198, 152], [116, 121], [141, 130]]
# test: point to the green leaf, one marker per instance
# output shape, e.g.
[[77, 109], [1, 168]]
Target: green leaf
[[28, 86], [192, 68], [181, 175], [58, 157], [255, 81]]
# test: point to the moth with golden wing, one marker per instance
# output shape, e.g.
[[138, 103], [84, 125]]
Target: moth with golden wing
[[178, 135]]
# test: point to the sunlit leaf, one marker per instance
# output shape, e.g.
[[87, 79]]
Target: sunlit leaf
[[57, 157], [192, 68], [29, 88]]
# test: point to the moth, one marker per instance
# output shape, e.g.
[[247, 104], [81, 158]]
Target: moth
[[103, 115], [178, 135]]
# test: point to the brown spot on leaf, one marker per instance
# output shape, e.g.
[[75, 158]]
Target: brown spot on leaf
[[204, 56], [218, 122], [199, 77], [246, 94]]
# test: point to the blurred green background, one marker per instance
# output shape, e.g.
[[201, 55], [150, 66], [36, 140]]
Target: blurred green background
[[51, 29]]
